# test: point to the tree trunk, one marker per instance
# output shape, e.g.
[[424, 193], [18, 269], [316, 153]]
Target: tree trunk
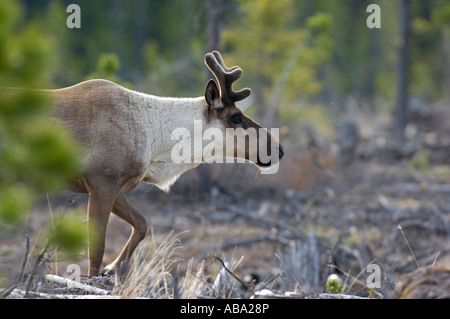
[[214, 24], [402, 71], [139, 24]]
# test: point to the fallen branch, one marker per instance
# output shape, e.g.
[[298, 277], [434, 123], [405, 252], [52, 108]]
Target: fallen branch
[[20, 293], [250, 241], [74, 284], [417, 187], [232, 212]]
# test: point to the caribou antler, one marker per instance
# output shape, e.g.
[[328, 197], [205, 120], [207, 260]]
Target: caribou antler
[[226, 76]]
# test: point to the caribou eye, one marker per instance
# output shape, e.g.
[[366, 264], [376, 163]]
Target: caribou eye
[[236, 119]]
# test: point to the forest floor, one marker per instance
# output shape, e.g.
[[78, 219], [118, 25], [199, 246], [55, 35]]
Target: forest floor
[[335, 207]]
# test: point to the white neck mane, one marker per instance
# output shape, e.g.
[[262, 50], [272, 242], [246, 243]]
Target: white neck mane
[[160, 116]]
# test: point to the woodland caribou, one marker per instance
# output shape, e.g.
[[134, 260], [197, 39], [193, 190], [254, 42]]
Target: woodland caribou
[[127, 140]]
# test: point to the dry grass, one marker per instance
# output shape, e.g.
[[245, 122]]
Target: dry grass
[[153, 273]]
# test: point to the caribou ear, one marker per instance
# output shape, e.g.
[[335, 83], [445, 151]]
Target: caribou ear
[[212, 95]]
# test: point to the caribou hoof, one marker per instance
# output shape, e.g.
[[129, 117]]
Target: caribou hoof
[[109, 271]]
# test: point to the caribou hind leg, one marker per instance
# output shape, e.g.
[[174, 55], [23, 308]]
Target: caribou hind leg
[[123, 209], [103, 201], [99, 209]]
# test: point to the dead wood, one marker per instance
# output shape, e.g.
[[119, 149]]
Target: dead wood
[[20, 294], [74, 284], [417, 188]]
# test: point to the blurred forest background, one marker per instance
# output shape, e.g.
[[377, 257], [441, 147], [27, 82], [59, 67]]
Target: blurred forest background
[[362, 113], [304, 60]]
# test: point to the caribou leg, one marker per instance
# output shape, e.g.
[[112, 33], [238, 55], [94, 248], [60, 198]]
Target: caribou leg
[[99, 209], [123, 209]]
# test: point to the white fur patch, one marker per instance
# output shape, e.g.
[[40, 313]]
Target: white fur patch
[[158, 117]]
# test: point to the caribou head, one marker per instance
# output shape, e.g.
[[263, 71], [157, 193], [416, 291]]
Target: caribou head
[[249, 140]]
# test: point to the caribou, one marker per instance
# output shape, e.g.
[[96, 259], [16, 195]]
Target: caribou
[[127, 139]]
